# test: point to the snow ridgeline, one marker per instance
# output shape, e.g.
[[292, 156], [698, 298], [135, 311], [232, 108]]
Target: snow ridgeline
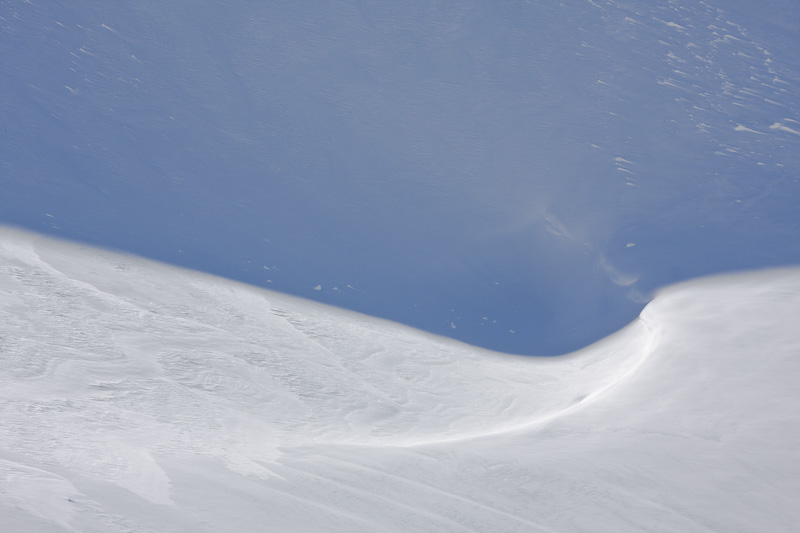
[[138, 396]]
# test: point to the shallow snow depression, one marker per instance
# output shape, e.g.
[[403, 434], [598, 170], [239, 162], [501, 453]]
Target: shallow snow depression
[[136, 396]]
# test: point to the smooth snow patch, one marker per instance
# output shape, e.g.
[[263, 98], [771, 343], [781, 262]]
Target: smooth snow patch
[[781, 127], [739, 127], [41, 493]]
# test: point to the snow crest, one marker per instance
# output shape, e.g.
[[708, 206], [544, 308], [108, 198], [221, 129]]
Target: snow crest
[[140, 393]]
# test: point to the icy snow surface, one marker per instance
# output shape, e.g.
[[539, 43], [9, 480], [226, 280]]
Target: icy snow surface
[[136, 396]]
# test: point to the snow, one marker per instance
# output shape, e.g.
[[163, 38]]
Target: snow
[[783, 127], [739, 127], [140, 396], [417, 153], [37, 492], [522, 176]]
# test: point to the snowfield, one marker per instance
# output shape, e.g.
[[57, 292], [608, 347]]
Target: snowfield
[[517, 175], [141, 397]]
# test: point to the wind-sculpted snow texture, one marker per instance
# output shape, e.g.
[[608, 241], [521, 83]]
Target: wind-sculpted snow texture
[[136, 396], [517, 175]]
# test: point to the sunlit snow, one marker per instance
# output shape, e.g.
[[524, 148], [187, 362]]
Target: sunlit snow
[[522, 176], [136, 396]]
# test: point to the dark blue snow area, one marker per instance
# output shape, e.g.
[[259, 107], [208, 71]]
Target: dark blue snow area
[[517, 175]]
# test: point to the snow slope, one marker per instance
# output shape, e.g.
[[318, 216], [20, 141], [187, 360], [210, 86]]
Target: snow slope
[[518, 175], [136, 396]]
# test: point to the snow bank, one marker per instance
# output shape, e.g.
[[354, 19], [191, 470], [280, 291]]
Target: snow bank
[[156, 398]]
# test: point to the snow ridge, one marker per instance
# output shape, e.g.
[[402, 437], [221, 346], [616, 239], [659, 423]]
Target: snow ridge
[[135, 395]]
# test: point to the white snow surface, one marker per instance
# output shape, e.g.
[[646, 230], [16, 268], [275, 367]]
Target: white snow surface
[[136, 396]]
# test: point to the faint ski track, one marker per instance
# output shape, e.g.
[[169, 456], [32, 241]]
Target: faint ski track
[[418, 485], [372, 495]]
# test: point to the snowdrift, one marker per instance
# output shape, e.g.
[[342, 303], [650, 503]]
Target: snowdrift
[[136, 396], [516, 175]]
